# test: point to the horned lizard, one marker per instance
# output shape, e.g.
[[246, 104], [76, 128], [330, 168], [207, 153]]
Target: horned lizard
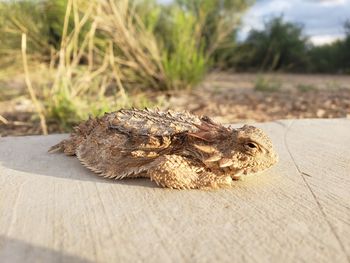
[[174, 149]]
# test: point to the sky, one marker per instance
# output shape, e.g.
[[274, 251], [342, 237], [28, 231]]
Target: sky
[[322, 19]]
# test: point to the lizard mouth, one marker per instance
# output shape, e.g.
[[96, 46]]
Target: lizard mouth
[[237, 175]]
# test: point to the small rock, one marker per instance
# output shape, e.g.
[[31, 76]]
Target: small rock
[[320, 113]]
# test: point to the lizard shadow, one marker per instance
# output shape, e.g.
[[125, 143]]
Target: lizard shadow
[[30, 154], [14, 250]]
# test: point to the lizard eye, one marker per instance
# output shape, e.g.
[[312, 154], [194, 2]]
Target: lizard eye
[[251, 145]]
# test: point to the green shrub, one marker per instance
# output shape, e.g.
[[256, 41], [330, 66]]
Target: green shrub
[[305, 87], [332, 58], [279, 46], [183, 60], [42, 21], [333, 85], [267, 84]]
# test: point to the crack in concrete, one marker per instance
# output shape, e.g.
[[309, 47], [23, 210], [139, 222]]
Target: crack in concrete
[[303, 174]]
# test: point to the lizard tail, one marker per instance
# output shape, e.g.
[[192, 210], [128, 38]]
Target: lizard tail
[[56, 148], [59, 147], [66, 146], [70, 145]]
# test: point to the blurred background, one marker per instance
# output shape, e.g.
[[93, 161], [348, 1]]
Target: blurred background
[[234, 60]]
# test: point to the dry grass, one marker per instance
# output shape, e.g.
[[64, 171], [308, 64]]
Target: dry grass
[[135, 56], [109, 49], [71, 91], [31, 91], [4, 120]]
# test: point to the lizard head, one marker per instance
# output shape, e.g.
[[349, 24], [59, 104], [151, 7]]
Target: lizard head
[[252, 151], [238, 151]]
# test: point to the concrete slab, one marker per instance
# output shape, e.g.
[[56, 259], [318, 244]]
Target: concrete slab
[[52, 209]]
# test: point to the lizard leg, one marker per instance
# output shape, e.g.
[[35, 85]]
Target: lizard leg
[[179, 172]]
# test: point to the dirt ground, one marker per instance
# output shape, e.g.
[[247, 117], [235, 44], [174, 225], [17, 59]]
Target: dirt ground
[[227, 98]]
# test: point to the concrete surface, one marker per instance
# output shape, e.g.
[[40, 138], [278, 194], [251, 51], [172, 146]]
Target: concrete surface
[[54, 210]]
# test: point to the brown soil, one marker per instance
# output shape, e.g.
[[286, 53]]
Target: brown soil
[[228, 99]]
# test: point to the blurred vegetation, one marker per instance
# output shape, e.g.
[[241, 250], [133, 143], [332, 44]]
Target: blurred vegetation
[[282, 46], [331, 58], [266, 84], [101, 55], [96, 56], [305, 87]]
